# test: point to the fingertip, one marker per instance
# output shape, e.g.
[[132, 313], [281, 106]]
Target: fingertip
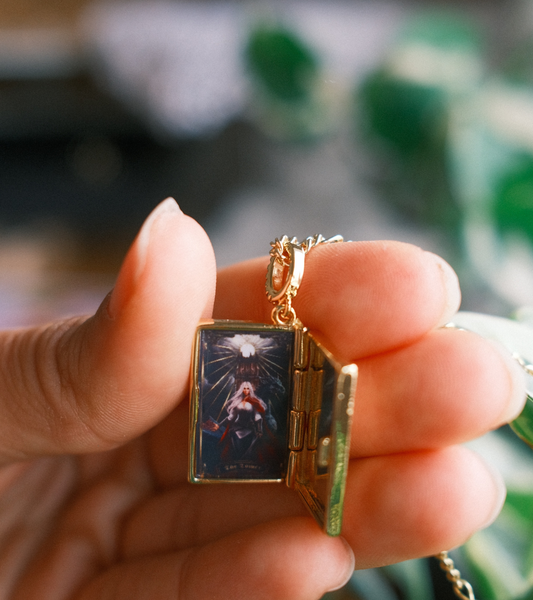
[[287, 559], [406, 506], [499, 490], [346, 565], [516, 396], [171, 255], [386, 294], [451, 289], [164, 210], [138, 350], [87, 385], [361, 297], [166, 217], [167, 282]]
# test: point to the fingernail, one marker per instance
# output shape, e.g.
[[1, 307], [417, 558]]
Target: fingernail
[[350, 565], [452, 291], [168, 206], [135, 260], [517, 383], [501, 493]]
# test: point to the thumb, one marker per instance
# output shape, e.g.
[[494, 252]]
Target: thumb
[[89, 385]]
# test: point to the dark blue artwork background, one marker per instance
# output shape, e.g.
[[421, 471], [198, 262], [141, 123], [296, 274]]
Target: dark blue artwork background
[[216, 384]]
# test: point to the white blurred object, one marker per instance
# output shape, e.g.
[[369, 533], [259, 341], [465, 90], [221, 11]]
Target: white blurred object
[[488, 133], [181, 64], [177, 62], [516, 337]]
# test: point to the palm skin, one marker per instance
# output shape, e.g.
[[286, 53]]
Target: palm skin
[[94, 499]]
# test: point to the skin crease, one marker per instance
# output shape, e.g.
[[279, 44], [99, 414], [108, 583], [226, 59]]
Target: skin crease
[[94, 502]]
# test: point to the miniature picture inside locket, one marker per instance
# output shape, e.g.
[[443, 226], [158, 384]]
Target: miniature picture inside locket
[[244, 385]]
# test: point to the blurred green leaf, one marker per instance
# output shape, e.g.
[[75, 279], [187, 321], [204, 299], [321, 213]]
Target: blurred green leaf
[[523, 424], [408, 115], [412, 578], [521, 503], [282, 62], [369, 584], [495, 566], [513, 208], [443, 29]]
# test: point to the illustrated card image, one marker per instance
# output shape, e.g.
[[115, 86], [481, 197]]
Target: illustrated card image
[[241, 393]]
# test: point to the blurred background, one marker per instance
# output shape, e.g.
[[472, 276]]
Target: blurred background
[[374, 119]]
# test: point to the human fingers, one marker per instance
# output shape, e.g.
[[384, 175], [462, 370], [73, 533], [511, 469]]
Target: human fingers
[[79, 386], [447, 388], [410, 505], [188, 515], [361, 298], [288, 559], [396, 507]]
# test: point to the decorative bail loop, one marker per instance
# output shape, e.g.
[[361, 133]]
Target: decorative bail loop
[[286, 269], [285, 273]]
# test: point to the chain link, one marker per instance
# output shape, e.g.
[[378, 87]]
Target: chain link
[[461, 587], [284, 314]]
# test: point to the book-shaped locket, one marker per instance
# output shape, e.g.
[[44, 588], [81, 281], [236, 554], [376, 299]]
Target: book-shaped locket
[[270, 404]]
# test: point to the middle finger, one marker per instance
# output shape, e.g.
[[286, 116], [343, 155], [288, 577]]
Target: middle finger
[[447, 388]]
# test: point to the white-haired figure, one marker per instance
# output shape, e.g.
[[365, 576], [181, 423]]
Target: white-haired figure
[[245, 424]]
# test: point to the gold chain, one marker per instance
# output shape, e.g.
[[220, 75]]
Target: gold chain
[[461, 587], [285, 272], [312, 241]]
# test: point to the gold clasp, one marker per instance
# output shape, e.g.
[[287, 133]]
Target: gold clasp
[[284, 276], [285, 273]]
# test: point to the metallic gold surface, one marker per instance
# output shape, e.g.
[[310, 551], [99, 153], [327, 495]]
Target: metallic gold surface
[[299, 390], [324, 451], [296, 430], [301, 346], [310, 466], [293, 468], [323, 489], [316, 357], [312, 429], [285, 272], [315, 389]]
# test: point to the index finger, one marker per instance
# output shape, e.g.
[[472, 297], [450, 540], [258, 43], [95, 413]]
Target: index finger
[[361, 298]]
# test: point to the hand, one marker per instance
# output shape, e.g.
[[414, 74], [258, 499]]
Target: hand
[[210, 426], [94, 502]]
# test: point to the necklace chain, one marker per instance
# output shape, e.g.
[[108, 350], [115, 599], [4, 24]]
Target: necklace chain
[[461, 587]]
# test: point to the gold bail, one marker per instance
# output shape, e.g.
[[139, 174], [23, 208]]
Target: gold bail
[[284, 276], [285, 273]]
